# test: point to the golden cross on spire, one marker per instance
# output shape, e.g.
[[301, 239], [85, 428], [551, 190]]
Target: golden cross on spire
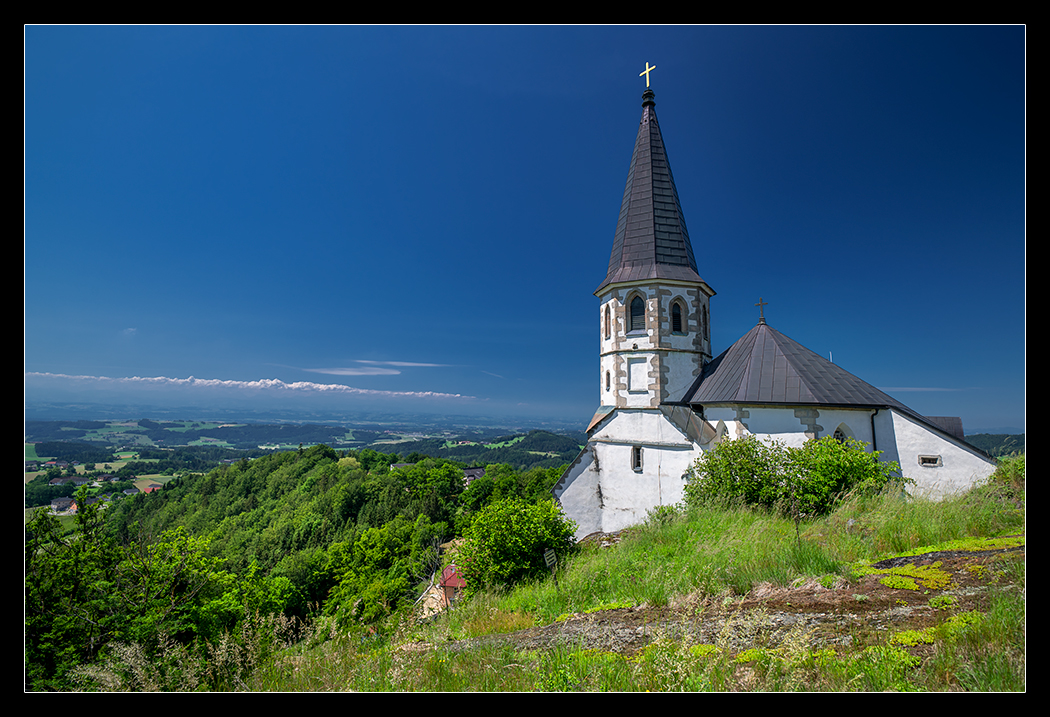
[[646, 73]]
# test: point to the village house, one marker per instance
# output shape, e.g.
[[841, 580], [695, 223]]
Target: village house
[[63, 505]]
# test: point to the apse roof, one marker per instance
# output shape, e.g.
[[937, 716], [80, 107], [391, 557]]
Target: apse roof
[[651, 240], [765, 366]]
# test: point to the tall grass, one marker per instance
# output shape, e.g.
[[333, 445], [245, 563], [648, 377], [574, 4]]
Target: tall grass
[[988, 656], [707, 550], [872, 527], [224, 665]]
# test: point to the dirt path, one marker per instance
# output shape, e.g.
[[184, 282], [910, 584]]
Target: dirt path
[[845, 614]]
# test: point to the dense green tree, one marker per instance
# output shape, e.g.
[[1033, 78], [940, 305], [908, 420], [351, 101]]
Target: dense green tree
[[477, 494], [71, 601], [506, 541], [375, 574], [40, 492], [301, 531], [79, 451], [85, 591]]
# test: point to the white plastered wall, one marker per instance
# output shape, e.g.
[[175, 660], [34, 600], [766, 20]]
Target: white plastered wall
[[791, 425], [681, 361], [602, 491], [579, 494], [672, 360], [617, 348], [959, 468]]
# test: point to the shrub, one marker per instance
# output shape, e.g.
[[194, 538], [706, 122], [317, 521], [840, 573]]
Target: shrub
[[826, 470], [797, 481], [505, 542], [744, 470]]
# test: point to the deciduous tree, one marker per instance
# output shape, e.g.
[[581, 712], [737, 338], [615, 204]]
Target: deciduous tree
[[506, 540]]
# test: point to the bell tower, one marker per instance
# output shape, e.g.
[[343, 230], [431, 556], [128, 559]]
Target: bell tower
[[654, 339], [655, 308]]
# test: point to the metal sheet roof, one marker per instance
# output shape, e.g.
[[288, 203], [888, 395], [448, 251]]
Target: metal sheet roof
[[765, 366], [651, 240]]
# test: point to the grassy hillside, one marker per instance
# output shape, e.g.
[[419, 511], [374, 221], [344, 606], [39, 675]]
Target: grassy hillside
[[884, 593], [723, 598]]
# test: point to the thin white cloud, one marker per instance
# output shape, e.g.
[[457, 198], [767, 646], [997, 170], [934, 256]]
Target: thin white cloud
[[269, 384], [901, 389], [363, 371], [400, 363], [374, 368]]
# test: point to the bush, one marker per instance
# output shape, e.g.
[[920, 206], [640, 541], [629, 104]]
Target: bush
[[505, 542], [825, 471], [745, 470], [809, 480]]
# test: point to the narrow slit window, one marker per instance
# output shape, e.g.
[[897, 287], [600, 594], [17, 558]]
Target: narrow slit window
[[636, 458], [676, 318], [637, 314]]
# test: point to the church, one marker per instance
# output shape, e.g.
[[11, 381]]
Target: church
[[664, 398]]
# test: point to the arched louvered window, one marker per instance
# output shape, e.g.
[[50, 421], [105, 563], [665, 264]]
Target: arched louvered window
[[637, 322], [842, 433], [608, 323], [676, 318]]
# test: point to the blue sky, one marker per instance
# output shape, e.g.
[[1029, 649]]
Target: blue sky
[[414, 219]]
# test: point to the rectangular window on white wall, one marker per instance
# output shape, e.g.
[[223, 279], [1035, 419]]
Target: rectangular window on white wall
[[637, 374]]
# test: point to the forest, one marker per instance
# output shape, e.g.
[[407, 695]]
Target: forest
[[290, 535]]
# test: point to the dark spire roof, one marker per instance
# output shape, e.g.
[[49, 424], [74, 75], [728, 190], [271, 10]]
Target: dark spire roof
[[651, 240], [765, 366]]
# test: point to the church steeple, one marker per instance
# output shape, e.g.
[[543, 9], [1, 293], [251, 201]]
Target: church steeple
[[655, 321], [651, 240]]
